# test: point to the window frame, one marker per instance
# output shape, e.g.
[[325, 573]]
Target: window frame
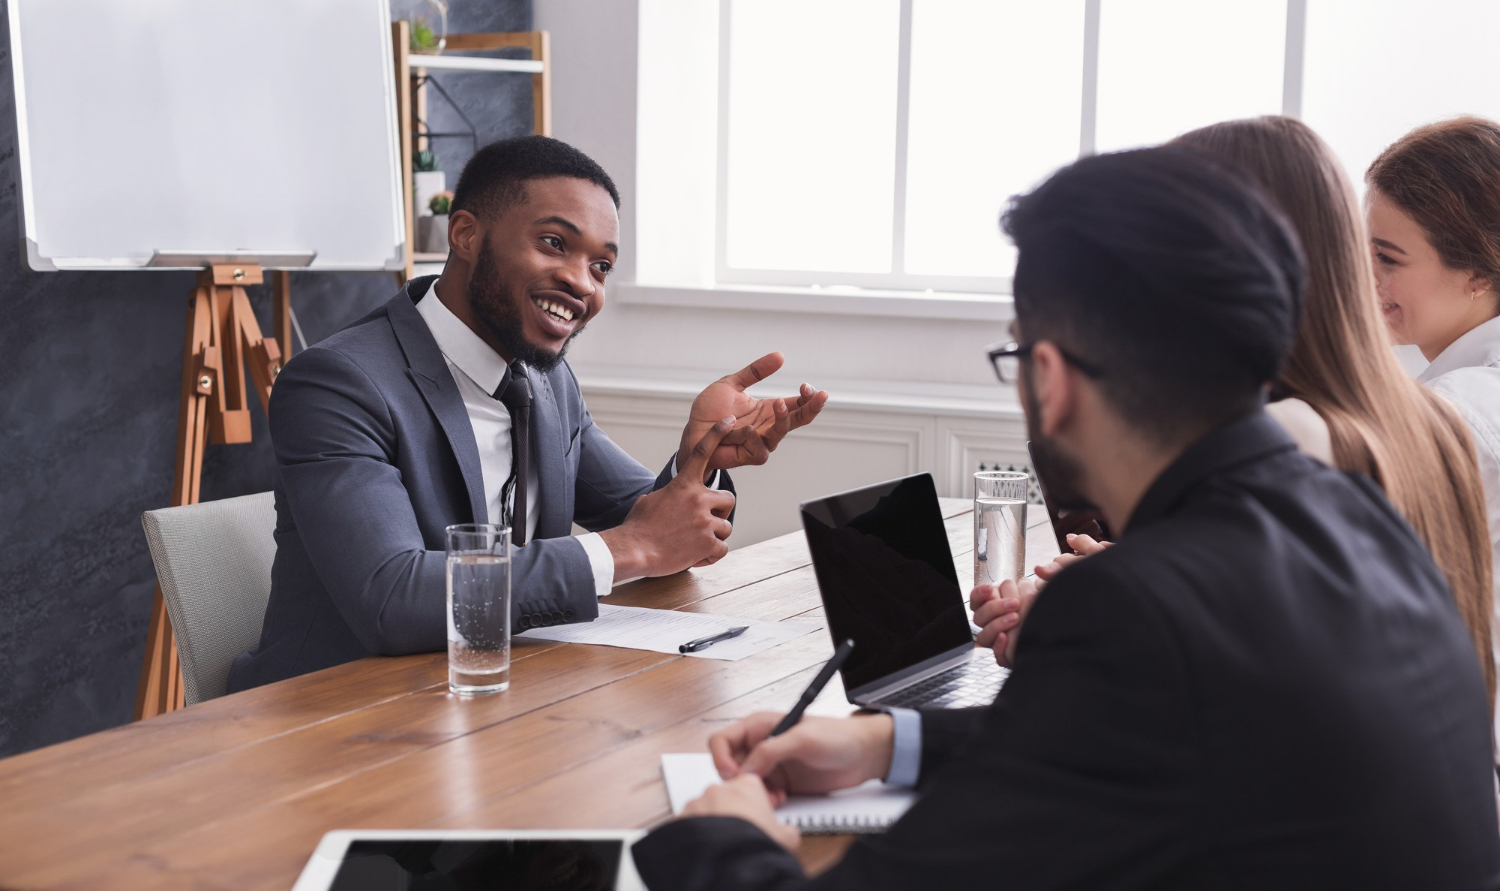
[[898, 278]]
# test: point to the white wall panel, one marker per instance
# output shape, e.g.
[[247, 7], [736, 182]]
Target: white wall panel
[[969, 443]]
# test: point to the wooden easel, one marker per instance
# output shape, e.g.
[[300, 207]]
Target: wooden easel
[[222, 337]]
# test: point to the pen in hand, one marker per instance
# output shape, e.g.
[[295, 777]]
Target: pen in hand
[[704, 643], [816, 687]]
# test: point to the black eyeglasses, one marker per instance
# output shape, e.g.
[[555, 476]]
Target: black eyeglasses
[[1006, 357]]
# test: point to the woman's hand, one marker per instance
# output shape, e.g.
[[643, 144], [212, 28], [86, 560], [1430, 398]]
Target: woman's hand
[[1000, 610], [1082, 545]]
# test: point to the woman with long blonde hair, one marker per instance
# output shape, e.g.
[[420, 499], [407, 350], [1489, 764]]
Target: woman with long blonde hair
[[1342, 393]]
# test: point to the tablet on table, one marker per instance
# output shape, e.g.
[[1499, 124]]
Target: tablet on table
[[460, 860]]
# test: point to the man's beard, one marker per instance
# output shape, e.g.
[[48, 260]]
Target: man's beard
[[1060, 476], [495, 306]]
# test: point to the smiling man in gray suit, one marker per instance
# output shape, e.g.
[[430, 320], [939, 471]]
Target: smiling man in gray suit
[[452, 404]]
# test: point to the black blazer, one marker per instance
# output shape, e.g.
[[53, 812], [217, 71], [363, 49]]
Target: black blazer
[[1264, 685]]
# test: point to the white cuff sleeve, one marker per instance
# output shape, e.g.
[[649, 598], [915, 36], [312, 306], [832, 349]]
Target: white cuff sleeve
[[600, 560], [906, 748], [713, 481]]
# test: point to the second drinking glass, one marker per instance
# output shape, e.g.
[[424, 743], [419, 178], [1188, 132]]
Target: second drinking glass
[[999, 526]]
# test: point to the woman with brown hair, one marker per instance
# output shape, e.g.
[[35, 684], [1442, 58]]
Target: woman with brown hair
[[1433, 209], [1342, 393]]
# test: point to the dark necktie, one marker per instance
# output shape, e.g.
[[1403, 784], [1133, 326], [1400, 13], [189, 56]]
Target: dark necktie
[[515, 392]]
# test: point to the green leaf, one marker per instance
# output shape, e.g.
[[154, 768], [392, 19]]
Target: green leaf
[[422, 36]]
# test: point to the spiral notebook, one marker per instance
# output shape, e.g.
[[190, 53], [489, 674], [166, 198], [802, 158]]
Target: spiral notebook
[[871, 807]]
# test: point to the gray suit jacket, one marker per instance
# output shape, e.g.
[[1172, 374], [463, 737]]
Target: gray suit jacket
[[375, 455]]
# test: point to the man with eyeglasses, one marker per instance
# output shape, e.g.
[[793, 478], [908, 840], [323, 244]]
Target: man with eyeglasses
[[1264, 684]]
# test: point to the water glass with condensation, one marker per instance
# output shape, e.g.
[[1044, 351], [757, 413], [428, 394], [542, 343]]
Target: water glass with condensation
[[999, 526], [478, 578]]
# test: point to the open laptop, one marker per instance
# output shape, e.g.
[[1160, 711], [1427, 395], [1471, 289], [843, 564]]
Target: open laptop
[[888, 582]]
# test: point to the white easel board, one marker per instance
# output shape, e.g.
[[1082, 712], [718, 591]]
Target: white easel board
[[220, 128]]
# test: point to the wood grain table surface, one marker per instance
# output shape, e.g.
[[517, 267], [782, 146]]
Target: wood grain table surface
[[235, 793]]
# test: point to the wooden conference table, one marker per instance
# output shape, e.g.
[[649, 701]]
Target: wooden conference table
[[236, 792]]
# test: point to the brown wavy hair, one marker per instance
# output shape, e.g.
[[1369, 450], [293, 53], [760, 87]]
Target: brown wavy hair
[[1381, 422], [1446, 177]]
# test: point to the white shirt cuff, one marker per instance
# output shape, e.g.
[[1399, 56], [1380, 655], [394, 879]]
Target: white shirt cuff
[[600, 560], [713, 481], [906, 747]]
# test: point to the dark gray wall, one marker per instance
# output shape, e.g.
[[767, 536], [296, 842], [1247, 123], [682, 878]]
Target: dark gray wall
[[89, 372]]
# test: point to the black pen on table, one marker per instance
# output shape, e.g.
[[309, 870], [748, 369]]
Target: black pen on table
[[816, 687], [704, 643]]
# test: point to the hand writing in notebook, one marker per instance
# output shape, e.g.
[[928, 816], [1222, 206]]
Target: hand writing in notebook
[[818, 755], [745, 797]]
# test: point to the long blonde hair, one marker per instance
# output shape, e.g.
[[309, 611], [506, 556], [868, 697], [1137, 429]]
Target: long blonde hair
[[1381, 422]]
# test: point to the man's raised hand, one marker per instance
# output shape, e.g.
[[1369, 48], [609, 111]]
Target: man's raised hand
[[759, 424]]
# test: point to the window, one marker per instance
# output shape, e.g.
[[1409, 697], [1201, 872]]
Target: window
[[962, 157], [1170, 66], [810, 102], [1373, 71], [873, 143]]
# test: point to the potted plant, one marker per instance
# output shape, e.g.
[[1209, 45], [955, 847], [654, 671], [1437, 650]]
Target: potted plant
[[436, 240], [423, 38], [427, 180]]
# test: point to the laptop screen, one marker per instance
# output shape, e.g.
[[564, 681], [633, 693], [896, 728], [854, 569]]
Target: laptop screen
[[887, 577]]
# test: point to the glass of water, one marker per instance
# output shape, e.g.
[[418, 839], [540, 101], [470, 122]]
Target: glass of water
[[999, 526], [478, 574]]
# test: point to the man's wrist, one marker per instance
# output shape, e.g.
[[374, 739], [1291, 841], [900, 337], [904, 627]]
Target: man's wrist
[[630, 560], [601, 562], [877, 732]]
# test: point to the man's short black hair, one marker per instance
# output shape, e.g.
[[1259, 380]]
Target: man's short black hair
[[1178, 279], [495, 178]]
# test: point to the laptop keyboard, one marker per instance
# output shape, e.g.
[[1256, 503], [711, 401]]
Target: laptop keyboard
[[974, 683]]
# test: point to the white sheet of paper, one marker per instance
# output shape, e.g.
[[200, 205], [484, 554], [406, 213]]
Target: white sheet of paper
[[664, 630]]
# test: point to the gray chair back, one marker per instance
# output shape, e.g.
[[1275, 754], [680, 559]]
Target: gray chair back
[[213, 561]]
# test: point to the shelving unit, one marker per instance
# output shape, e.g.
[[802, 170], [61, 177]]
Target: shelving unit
[[477, 64], [411, 100]]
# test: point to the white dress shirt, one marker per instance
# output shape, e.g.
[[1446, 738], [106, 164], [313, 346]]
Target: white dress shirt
[[478, 369], [1468, 374]]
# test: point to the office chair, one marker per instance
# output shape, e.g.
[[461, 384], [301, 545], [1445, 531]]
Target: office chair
[[214, 564]]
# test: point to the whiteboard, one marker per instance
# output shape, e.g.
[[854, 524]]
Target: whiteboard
[[222, 128]]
